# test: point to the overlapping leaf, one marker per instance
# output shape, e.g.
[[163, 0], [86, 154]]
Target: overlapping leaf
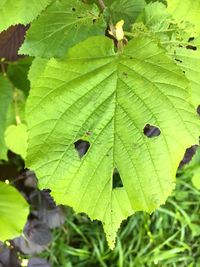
[[128, 10], [13, 212], [13, 12], [107, 98], [75, 21]]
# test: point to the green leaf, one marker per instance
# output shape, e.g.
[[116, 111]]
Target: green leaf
[[16, 139], [187, 10], [64, 24], [18, 72], [20, 12], [13, 212], [107, 98], [156, 18], [6, 93], [128, 10], [189, 61]]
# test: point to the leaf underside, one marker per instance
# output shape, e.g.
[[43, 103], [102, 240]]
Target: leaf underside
[[107, 98]]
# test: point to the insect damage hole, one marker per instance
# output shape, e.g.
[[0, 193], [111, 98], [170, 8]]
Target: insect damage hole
[[116, 179], [81, 147], [198, 110], [151, 131]]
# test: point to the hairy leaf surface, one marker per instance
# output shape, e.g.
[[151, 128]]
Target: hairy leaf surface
[[75, 21], [107, 98], [20, 11], [13, 212]]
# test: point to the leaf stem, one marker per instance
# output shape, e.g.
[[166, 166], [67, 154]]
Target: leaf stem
[[102, 4]]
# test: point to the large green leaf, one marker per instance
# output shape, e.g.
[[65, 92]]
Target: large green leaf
[[13, 212], [64, 24], [6, 93], [107, 98], [20, 11], [185, 10]]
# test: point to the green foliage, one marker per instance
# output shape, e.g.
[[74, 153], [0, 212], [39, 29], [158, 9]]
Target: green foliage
[[133, 88], [124, 9], [18, 72], [5, 100], [13, 212], [21, 11], [186, 10], [16, 139], [75, 22], [106, 92]]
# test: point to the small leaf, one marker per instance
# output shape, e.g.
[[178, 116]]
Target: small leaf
[[75, 21], [16, 139], [13, 212]]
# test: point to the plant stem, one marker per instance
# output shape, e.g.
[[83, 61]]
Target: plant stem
[[102, 4]]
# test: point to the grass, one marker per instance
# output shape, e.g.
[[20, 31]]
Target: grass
[[168, 237]]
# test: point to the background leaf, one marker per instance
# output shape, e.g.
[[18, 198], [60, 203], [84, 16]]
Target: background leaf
[[16, 139], [13, 212], [6, 93], [128, 10]]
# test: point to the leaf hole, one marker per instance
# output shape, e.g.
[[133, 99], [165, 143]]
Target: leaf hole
[[191, 39], [198, 110], [81, 147], [116, 179], [93, 21], [125, 74], [73, 9], [151, 131], [192, 47], [178, 60]]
